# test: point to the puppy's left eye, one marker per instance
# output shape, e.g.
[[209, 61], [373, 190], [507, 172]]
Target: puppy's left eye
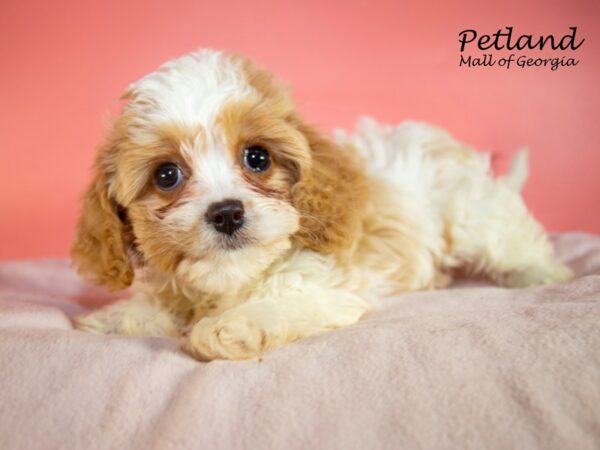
[[168, 176], [257, 159]]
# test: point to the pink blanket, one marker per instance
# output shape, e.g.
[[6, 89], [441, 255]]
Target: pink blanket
[[474, 366]]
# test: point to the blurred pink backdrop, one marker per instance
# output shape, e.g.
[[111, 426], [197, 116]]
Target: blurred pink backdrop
[[64, 64]]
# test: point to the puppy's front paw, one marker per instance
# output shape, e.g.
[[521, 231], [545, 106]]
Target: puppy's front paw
[[234, 337], [97, 323], [129, 319]]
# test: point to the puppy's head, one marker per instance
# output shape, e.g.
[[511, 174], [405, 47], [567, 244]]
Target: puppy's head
[[209, 175]]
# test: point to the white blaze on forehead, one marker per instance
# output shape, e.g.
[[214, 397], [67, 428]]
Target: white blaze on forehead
[[191, 89], [215, 170]]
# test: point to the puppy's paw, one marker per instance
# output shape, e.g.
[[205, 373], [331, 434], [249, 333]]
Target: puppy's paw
[[233, 337], [550, 273], [126, 319]]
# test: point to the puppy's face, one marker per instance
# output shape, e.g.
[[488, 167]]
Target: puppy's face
[[201, 178]]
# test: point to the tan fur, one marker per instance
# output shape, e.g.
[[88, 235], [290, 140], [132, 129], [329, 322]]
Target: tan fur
[[262, 121], [330, 197], [100, 248]]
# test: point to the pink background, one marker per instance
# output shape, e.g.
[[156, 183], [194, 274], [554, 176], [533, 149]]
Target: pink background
[[64, 64]]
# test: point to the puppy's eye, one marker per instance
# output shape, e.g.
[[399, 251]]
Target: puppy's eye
[[168, 176], [257, 159]]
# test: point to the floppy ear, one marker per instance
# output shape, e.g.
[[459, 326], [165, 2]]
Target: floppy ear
[[100, 249], [330, 196]]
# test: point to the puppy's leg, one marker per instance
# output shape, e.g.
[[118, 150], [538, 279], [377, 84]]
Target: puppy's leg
[[137, 316], [525, 258], [500, 238], [276, 317]]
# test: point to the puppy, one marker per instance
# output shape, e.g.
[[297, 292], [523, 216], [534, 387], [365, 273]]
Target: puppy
[[243, 228]]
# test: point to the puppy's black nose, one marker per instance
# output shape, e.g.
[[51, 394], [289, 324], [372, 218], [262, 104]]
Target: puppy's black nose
[[226, 216]]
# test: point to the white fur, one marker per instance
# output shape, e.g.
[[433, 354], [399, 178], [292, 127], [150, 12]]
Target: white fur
[[491, 229], [191, 89]]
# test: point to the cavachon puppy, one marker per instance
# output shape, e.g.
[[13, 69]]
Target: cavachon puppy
[[240, 227]]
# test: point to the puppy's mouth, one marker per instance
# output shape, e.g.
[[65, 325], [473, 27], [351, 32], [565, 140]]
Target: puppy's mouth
[[235, 241]]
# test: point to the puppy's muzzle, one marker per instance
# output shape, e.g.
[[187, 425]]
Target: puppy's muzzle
[[226, 216]]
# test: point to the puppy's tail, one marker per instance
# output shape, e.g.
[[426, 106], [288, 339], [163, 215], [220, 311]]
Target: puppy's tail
[[519, 170]]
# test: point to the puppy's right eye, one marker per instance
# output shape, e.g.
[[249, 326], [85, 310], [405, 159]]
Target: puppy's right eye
[[168, 176]]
